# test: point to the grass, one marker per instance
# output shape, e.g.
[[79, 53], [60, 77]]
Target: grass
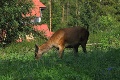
[[17, 63]]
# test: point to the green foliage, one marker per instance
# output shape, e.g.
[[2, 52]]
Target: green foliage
[[94, 14], [11, 17], [106, 22], [98, 15]]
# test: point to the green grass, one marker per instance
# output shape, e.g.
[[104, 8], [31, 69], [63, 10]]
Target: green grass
[[17, 63]]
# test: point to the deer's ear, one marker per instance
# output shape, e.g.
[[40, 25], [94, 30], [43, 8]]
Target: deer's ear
[[36, 48]]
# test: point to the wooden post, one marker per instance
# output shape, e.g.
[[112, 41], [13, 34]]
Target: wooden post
[[67, 11], [50, 15], [76, 11], [63, 14]]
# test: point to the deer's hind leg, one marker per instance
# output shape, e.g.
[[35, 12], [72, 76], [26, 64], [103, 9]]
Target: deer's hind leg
[[61, 47], [83, 45], [76, 50], [61, 50]]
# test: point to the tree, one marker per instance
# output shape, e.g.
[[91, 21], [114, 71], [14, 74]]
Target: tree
[[11, 17], [67, 13]]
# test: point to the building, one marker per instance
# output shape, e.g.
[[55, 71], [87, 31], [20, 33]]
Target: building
[[37, 12]]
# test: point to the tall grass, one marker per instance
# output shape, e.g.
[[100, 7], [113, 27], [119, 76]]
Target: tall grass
[[101, 63]]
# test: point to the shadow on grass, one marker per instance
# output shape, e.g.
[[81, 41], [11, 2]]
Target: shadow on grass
[[96, 65]]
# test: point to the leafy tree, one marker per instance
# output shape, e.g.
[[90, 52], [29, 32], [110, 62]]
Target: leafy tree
[[89, 13], [12, 19]]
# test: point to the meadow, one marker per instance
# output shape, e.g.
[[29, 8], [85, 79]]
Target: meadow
[[100, 63]]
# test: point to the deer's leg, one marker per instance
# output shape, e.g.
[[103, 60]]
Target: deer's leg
[[83, 45], [76, 50], [61, 50]]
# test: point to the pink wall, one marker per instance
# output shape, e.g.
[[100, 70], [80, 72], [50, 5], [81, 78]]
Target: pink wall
[[36, 10]]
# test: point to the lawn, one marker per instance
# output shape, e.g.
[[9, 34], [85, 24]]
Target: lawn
[[17, 63]]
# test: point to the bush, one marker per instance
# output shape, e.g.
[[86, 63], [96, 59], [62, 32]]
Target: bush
[[11, 18]]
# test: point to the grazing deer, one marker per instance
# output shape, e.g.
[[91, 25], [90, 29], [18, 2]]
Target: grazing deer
[[65, 38]]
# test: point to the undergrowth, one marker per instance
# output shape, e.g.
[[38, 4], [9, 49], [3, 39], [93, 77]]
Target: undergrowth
[[102, 62], [17, 63]]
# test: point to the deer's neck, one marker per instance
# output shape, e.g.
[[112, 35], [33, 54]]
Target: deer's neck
[[45, 47]]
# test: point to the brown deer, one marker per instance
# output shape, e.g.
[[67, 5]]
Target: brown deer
[[65, 38]]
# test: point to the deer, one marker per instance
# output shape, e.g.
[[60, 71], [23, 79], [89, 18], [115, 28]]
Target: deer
[[63, 38]]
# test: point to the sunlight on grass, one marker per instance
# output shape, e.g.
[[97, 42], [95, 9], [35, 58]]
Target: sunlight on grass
[[18, 64]]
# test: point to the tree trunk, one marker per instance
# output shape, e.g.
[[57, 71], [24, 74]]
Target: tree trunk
[[63, 14], [50, 15], [67, 11], [76, 11]]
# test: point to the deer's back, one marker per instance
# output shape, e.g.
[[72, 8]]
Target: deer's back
[[71, 36]]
